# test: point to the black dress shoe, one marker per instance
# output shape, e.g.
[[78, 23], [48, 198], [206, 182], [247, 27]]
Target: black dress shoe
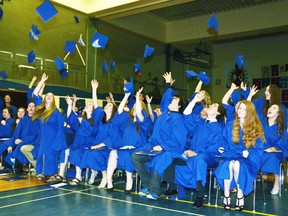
[[109, 190], [198, 202], [170, 193], [127, 191]]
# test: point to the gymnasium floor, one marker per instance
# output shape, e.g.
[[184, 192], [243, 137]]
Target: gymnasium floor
[[24, 195]]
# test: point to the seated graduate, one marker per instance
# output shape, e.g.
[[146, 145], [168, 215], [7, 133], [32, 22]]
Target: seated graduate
[[241, 149], [26, 136], [96, 157], [200, 155], [166, 142], [7, 103], [135, 126], [276, 141]]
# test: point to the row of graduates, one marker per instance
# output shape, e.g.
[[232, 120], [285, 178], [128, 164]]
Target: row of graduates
[[111, 138]]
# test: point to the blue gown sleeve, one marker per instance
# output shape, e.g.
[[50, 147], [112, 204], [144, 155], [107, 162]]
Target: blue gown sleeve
[[166, 99]]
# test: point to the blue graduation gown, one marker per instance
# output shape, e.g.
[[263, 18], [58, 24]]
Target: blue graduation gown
[[131, 138], [109, 134], [249, 167], [271, 161], [205, 142], [52, 141], [83, 139], [6, 130], [170, 133]]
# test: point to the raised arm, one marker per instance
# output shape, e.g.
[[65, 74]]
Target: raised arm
[[198, 97], [123, 102], [199, 86], [94, 84], [34, 78], [75, 99], [69, 103], [37, 89], [228, 94], [138, 107], [253, 91], [149, 100]]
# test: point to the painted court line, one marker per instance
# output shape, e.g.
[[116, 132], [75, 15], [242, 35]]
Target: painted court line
[[29, 192], [35, 200]]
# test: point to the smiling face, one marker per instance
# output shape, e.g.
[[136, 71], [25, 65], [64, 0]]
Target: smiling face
[[273, 111], [49, 98], [7, 99], [212, 110], [88, 108], [108, 108], [241, 111]]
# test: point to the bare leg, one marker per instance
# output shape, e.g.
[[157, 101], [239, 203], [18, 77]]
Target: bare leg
[[92, 177], [63, 165], [104, 180], [112, 164], [276, 185], [129, 180], [240, 195], [227, 183]]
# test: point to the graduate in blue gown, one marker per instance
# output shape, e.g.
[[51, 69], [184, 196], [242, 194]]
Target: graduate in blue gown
[[276, 144], [5, 131], [241, 149], [230, 107], [52, 139], [85, 133], [107, 138], [136, 126], [27, 133], [200, 155], [166, 143]]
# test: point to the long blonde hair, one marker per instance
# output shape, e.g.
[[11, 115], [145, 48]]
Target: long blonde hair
[[42, 112], [252, 127]]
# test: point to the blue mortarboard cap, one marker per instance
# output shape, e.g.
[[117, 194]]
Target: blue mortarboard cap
[[212, 22], [137, 68], [81, 42], [204, 77], [239, 61], [31, 57], [112, 65], [63, 73], [235, 97], [1, 13], [46, 11], [99, 40], [76, 18], [104, 67], [191, 74], [70, 46], [59, 63], [129, 87], [148, 51], [34, 32], [3, 74]]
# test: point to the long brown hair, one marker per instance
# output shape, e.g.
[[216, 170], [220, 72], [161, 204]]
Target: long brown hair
[[42, 112], [144, 107], [275, 98], [252, 127], [114, 110]]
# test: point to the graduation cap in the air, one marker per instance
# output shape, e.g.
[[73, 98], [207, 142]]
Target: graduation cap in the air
[[191, 74], [112, 65], [99, 40], [148, 51], [129, 87], [76, 18], [46, 11], [1, 13], [70, 47], [137, 69], [80, 41], [239, 61], [31, 57], [212, 22], [201, 76], [104, 67], [59, 63], [63, 73], [34, 32], [3, 74]]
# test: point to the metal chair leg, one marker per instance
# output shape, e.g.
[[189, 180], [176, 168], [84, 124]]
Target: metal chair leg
[[210, 185]]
